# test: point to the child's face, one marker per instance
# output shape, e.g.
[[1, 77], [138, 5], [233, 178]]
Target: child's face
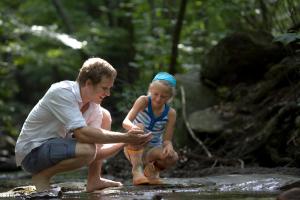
[[160, 93]]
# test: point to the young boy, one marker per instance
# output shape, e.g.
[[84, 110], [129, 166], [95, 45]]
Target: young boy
[[152, 113]]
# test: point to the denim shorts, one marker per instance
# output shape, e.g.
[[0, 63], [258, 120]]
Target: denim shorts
[[48, 154]]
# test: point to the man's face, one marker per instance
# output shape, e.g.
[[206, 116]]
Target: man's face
[[101, 90]]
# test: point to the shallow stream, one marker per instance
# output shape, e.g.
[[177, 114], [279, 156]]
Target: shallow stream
[[229, 187]]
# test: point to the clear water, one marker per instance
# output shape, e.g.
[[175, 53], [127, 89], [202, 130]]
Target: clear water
[[177, 195], [227, 187]]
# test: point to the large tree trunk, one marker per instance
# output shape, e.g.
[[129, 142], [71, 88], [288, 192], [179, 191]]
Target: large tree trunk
[[176, 37], [61, 12]]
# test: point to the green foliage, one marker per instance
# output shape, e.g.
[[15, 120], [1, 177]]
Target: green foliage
[[8, 88], [30, 63], [127, 98], [135, 36]]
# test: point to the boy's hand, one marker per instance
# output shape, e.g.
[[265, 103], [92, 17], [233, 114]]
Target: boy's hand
[[167, 149]]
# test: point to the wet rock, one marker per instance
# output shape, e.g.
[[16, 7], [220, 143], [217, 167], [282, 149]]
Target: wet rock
[[241, 57], [71, 186], [7, 148], [8, 163], [19, 191], [47, 194], [197, 95], [206, 121], [157, 197]]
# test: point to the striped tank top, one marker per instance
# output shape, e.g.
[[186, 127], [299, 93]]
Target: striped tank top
[[153, 124]]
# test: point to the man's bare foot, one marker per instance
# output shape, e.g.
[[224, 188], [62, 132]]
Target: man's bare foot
[[41, 183], [101, 184]]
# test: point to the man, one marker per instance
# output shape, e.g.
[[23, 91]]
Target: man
[[67, 129]]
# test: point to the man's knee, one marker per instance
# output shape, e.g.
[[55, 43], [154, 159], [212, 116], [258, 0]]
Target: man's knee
[[106, 120], [87, 151]]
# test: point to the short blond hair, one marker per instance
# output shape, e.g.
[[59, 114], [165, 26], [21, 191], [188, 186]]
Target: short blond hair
[[95, 69], [172, 90]]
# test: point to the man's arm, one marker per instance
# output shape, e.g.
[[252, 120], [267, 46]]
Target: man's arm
[[93, 135]]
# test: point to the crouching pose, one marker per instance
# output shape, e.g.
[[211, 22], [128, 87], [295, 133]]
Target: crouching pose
[[68, 129], [152, 113]]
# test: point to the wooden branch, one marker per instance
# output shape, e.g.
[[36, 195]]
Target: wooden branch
[[187, 124]]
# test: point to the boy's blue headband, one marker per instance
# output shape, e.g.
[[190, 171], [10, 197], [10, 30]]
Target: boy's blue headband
[[165, 77]]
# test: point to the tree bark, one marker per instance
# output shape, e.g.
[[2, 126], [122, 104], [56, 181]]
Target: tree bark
[[61, 12], [110, 17], [176, 37], [266, 23]]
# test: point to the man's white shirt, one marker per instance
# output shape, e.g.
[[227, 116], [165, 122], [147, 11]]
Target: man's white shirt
[[57, 114]]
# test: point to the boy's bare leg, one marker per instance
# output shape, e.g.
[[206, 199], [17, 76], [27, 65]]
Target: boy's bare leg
[[156, 162], [156, 155], [135, 157], [134, 154], [85, 153]]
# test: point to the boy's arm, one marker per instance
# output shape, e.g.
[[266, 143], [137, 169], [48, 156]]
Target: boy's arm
[[138, 106], [168, 136]]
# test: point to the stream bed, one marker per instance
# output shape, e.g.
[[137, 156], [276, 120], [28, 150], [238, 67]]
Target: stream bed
[[229, 187]]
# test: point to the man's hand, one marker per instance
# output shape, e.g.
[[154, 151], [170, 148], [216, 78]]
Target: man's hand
[[138, 137], [138, 126]]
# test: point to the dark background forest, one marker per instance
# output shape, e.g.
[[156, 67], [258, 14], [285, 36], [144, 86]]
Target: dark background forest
[[43, 42]]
